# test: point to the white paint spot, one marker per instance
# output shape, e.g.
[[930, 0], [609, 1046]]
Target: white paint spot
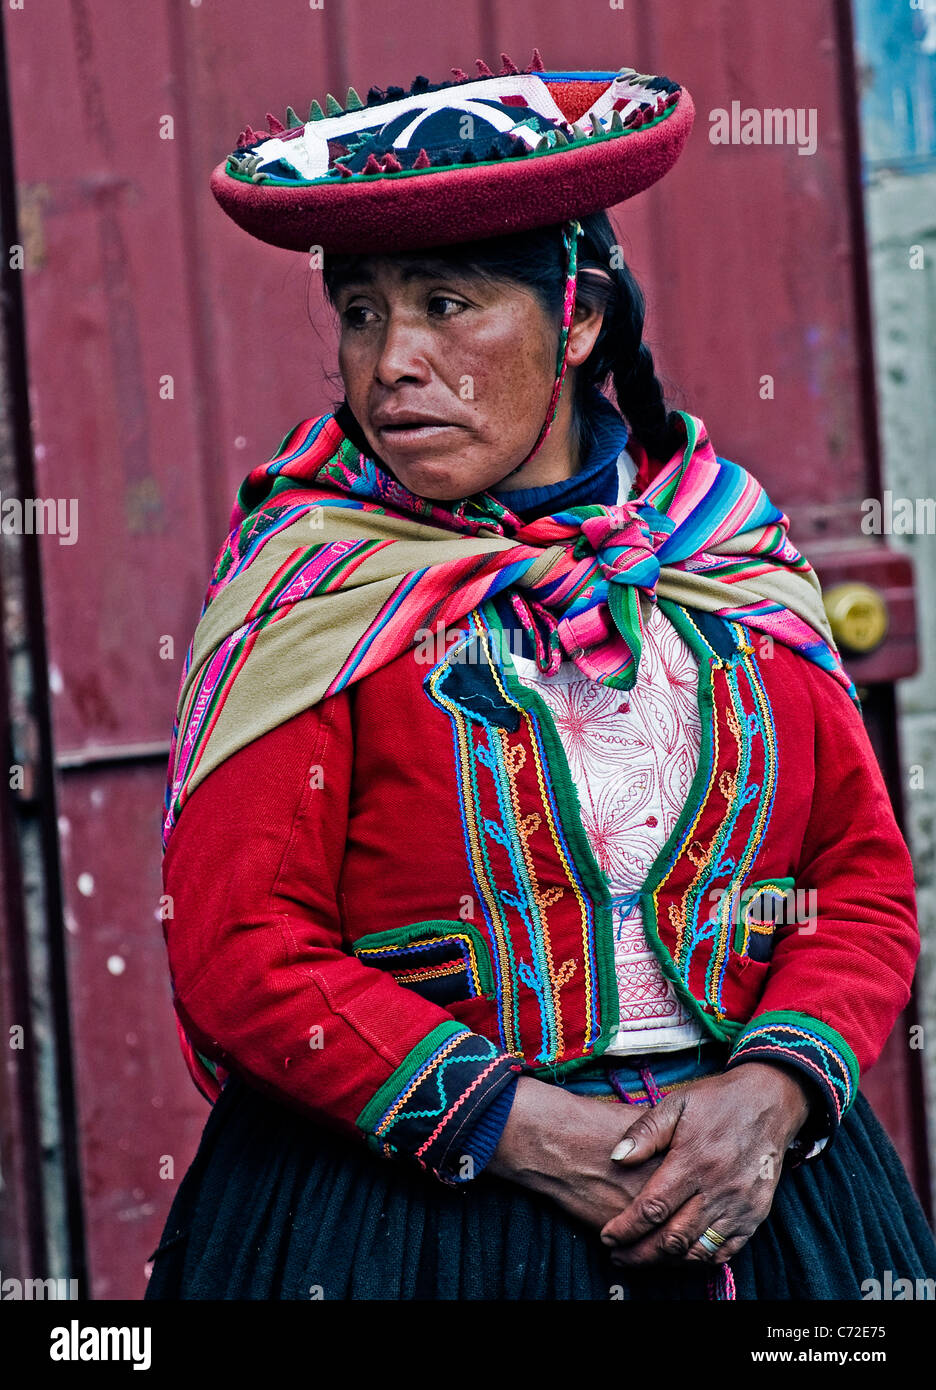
[[64, 826], [134, 1213], [86, 884], [116, 965], [240, 442], [97, 797], [56, 684], [71, 922], [40, 452]]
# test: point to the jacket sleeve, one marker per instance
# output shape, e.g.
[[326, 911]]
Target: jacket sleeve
[[841, 971], [264, 985]]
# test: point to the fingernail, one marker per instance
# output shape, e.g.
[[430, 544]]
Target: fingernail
[[623, 1149]]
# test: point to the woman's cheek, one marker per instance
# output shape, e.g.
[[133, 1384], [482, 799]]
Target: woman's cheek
[[501, 403]]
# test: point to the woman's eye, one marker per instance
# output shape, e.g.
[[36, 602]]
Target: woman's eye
[[355, 316], [445, 306], [442, 306]]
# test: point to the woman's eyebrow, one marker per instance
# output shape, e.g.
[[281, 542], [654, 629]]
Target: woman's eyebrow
[[416, 270], [426, 270]]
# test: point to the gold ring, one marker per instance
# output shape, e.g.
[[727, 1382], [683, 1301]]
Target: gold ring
[[710, 1240]]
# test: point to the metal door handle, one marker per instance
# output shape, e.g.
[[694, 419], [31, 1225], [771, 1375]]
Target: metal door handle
[[858, 616]]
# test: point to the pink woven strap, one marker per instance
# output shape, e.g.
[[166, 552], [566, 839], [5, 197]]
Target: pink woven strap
[[722, 1284], [653, 1091], [571, 231]]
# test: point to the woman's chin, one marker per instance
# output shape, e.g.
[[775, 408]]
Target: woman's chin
[[435, 482]]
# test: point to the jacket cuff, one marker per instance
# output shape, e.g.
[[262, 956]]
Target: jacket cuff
[[434, 1106], [818, 1052], [481, 1139]]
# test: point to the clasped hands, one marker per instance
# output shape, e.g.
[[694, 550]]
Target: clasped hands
[[709, 1155]]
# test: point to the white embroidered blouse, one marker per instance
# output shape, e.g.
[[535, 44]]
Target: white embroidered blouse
[[632, 755]]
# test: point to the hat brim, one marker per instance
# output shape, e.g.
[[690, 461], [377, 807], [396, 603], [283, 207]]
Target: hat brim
[[414, 208]]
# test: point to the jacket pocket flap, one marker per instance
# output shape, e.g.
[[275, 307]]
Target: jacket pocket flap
[[763, 905], [443, 960]]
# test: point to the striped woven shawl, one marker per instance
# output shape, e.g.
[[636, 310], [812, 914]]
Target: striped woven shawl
[[332, 569]]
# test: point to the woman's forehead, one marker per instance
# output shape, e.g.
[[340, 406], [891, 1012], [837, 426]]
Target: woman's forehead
[[403, 269]]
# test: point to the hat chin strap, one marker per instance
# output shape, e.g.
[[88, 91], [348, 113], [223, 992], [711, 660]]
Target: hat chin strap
[[571, 231]]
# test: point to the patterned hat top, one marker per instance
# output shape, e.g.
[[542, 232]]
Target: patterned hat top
[[451, 161]]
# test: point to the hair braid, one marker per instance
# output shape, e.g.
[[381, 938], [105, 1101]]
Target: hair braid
[[620, 351], [641, 402]]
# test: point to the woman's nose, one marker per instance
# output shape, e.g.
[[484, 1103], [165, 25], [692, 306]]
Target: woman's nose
[[402, 354]]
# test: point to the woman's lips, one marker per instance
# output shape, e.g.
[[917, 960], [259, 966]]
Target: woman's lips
[[401, 436]]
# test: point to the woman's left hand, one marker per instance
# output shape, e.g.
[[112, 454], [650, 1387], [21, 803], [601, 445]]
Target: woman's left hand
[[724, 1138]]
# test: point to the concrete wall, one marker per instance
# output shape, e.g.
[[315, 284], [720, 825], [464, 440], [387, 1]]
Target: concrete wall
[[896, 62], [901, 211]]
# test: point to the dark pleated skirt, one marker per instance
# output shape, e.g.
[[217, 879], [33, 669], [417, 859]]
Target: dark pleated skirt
[[275, 1207]]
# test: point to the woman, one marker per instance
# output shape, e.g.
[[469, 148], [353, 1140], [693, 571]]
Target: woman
[[512, 824]]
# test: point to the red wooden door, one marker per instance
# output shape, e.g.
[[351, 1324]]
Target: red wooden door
[[168, 353]]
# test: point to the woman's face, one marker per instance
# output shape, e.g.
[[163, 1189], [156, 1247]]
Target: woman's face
[[450, 375]]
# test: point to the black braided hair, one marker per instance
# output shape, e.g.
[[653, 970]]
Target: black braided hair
[[620, 351], [535, 260]]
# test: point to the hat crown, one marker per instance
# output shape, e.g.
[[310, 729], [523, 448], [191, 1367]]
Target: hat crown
[[503, 115], [471, 128]]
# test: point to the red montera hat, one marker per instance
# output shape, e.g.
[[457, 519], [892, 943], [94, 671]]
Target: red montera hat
[[456, 160]]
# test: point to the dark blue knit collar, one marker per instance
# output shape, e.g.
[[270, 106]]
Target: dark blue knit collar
[[595, 482]]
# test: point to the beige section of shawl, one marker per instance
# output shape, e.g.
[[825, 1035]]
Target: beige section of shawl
[[801, 593], [295, 658]]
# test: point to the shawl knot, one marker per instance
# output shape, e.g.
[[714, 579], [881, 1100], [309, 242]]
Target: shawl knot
[[570, 609]]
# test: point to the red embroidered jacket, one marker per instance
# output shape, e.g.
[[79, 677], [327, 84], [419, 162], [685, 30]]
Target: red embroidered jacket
[[385, 908]]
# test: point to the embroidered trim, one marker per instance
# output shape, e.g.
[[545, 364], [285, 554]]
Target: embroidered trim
[[806, 1043], [239, 173], [425, 950], [752, 778], [432, 1095], [759, 722], [685, 827], [477, 855], [480, 744], [557, 791]]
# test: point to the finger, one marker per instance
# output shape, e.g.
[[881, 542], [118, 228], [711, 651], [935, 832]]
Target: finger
[[669, 1243], [678, 1241], [652, 1133], [659, 1199], [714, 1237], [732, 1246]]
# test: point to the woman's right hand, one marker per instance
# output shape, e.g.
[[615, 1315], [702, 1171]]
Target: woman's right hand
[[560, 1144]]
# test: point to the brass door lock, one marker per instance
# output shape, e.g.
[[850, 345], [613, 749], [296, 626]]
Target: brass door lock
[[857, 615]]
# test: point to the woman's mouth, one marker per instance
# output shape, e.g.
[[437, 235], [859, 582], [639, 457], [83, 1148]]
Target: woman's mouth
[[413, 433]]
